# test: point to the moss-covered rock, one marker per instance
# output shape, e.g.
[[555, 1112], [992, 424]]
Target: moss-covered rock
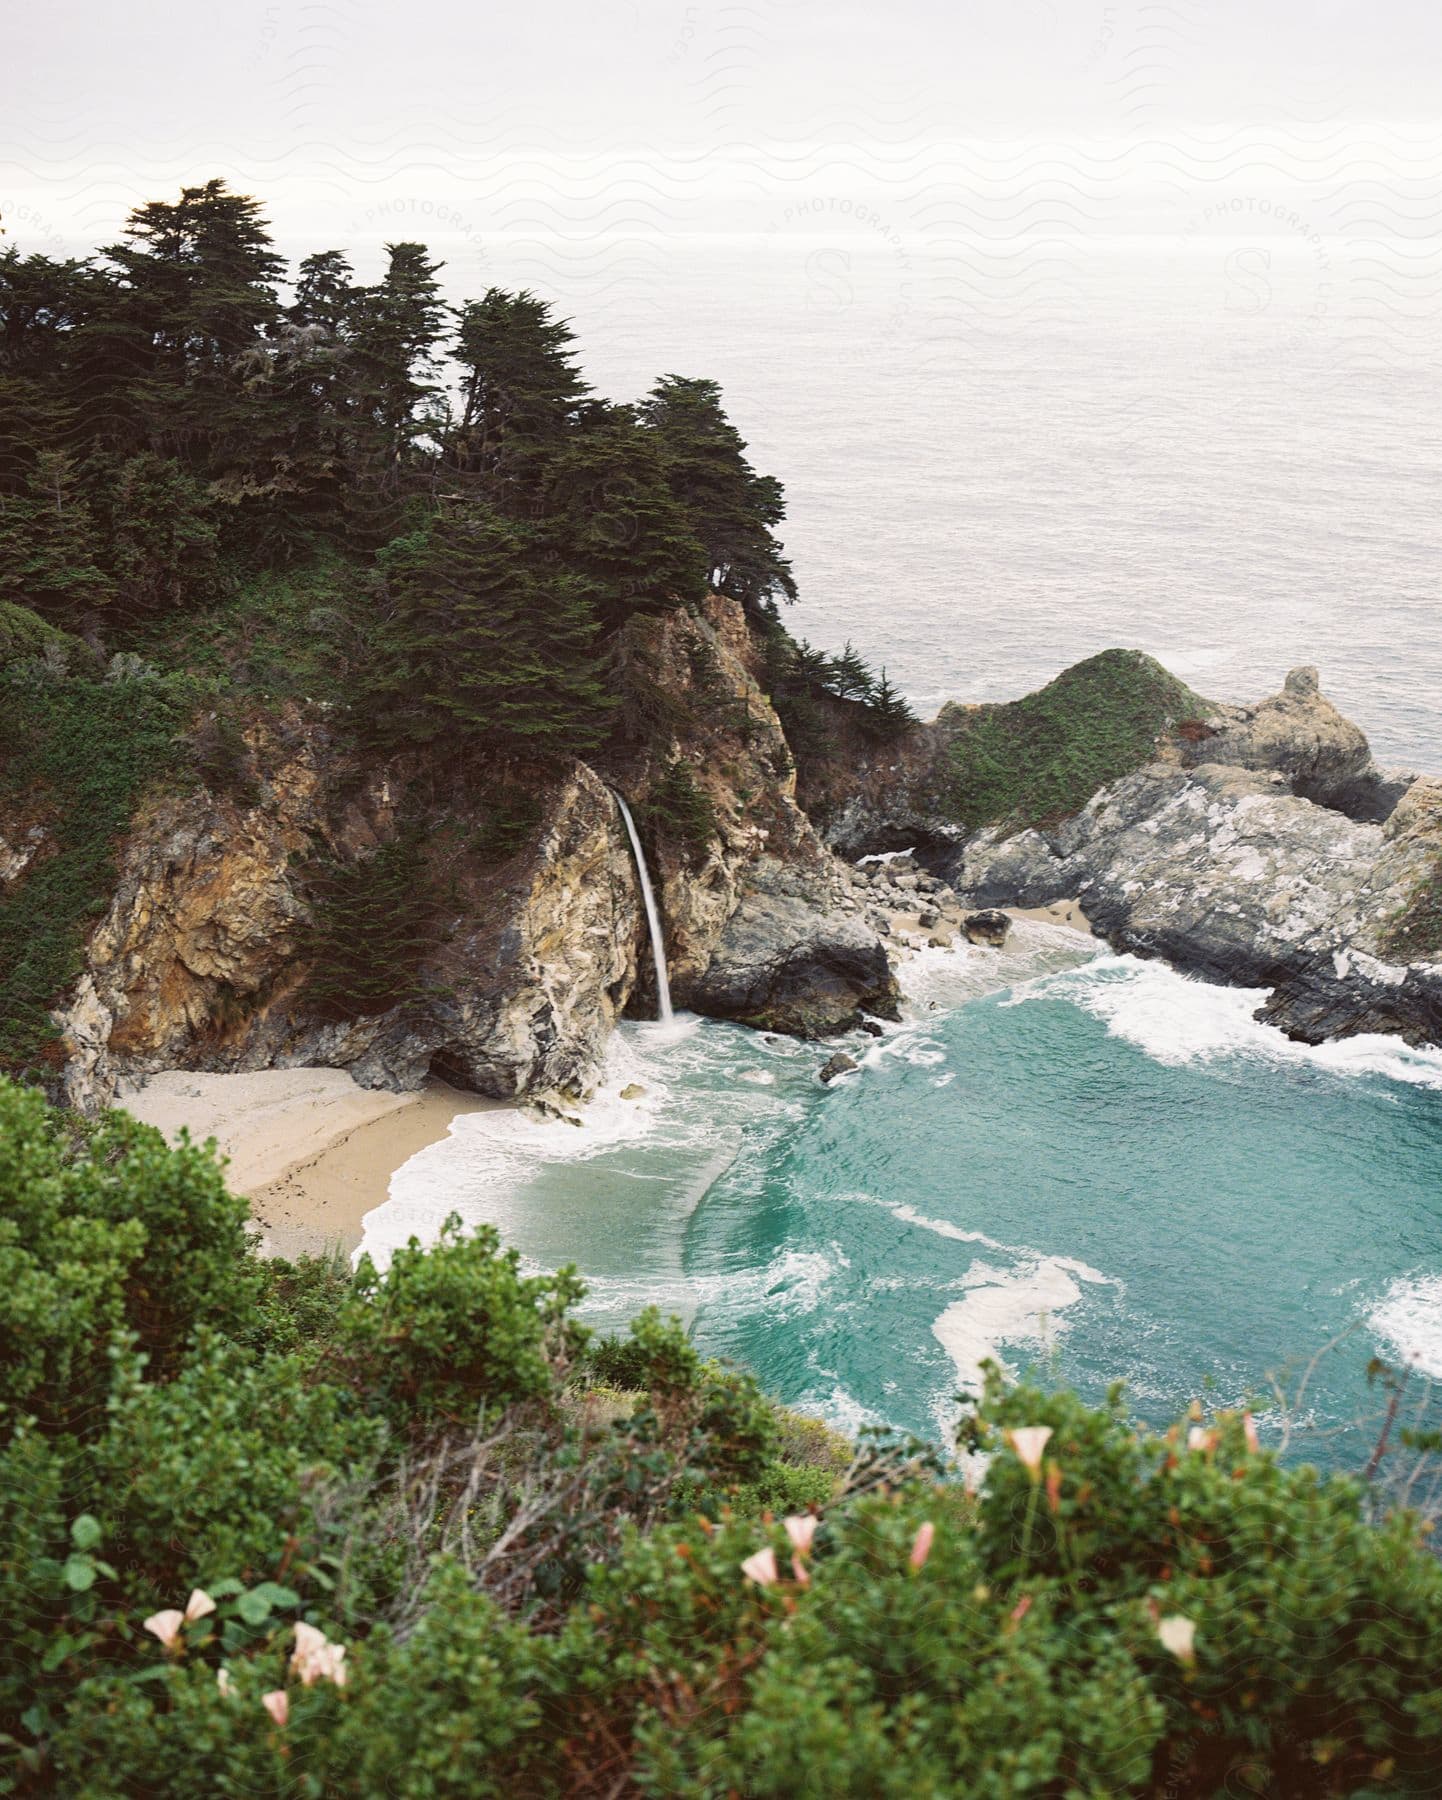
[[1040, 758]]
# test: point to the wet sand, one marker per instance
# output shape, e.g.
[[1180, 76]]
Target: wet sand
[[312, 1151]]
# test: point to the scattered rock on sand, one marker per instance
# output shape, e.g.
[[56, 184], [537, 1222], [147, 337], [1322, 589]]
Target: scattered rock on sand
[[988, 927]]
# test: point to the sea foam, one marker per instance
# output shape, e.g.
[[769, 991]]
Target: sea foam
[[1177, 1020], [1408, 1322]]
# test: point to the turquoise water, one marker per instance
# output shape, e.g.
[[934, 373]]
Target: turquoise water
[[1082, 1164]]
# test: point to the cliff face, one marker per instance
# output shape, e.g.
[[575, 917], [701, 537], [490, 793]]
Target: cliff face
[[195, 963], [760, 925], [201, 958], [1259, 846]]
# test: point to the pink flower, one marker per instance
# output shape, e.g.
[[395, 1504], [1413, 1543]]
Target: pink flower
[[921, 1543], [1199, 1438], [277, 1704], [1029, 1443], [761, 1568], [798, 1569], [166, 1626], [1249, 1427], [801, 1528], [198, 1605], [315, 1658], [1178, 1634], [223, 1682], [309, 1646]]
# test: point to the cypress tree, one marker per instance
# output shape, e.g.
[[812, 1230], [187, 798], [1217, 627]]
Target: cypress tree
[[732, 509], [396, 399], [489, 642], [848, 677], [520, 393], [888, 714], [611, 515], [194, 290], [50, 547]]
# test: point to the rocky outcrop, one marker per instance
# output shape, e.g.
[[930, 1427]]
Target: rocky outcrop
[[1258, 845], [988, 927], [194, 965], [1297, 734], [199, 961], [1249, 875], [760, 924], [789, 959]]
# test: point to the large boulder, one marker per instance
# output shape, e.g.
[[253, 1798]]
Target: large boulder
[[1301, 736], [989, 927], [787, 961], [1229, 874]]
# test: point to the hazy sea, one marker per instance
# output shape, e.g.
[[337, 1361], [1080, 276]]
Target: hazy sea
[[1070, 1160]]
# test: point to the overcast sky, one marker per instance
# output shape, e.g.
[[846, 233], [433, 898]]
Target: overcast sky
[[626, 116]]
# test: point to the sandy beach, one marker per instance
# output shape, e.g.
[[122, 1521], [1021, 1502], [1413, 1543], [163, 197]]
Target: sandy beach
[[311, 1150], [1060, 912]]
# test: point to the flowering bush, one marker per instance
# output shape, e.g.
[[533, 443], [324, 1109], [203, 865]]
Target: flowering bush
[[317, 1537]]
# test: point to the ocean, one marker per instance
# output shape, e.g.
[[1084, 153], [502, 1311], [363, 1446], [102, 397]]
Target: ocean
[[1083, 1165]]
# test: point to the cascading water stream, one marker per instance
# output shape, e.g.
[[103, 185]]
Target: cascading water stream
[[653, 918]]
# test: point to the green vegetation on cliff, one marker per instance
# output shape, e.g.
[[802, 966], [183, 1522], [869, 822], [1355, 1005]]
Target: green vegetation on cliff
[[336, 506], [1415, 933], [77, 750], [268, 1529], [1036, 760]]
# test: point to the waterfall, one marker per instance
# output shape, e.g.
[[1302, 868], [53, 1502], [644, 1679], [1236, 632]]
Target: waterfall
[[653, 918]]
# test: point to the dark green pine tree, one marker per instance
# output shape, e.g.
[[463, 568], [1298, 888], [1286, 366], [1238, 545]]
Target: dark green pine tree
[[520, 393], [807, 665], [194, 291], [610, 514], [848, 677], [887, 713], [43, 303], [488, 642], [293, 493], [732, 509], [50, 548], [395, 398], [158, 533], [325, 294]]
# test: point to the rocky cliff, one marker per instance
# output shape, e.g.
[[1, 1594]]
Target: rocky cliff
[[1259, 846], [535, 941]]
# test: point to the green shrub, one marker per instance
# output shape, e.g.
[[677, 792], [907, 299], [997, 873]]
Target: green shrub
[[203, 1477], [116, 1233], [456, 1328], [655, 1354], [24, 634]]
